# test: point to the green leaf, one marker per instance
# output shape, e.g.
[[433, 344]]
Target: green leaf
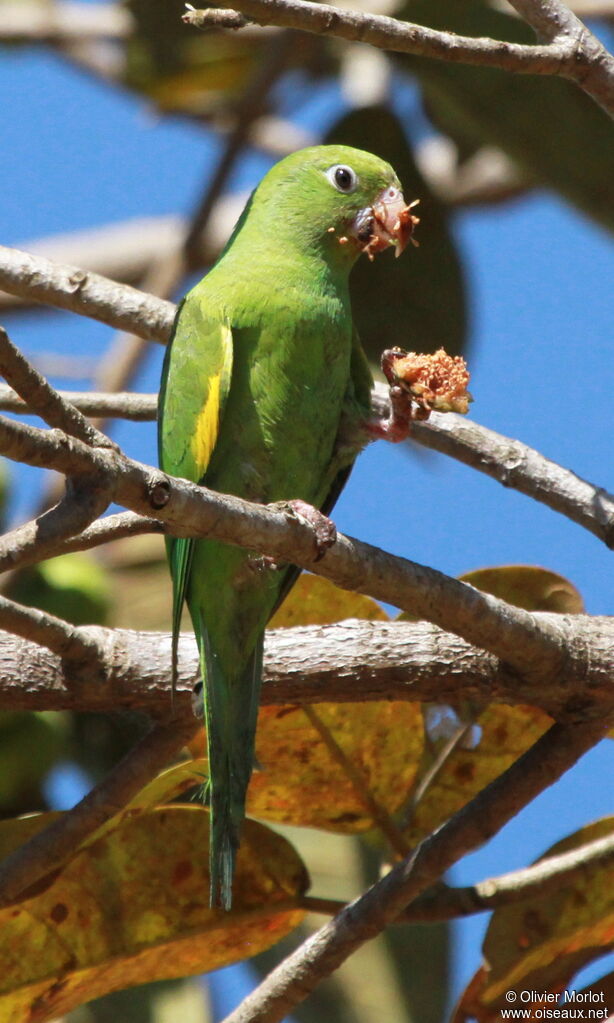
[[73, 586], [133, 907], [549, 127], [417, 302], [30, 743]]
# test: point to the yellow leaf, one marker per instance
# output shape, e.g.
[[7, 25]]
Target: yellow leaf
[[540, 943], [133, 907], [528, 586], [506, 733], [316, 601], [301, 782]]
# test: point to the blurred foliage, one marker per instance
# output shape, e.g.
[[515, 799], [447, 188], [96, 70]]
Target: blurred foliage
[[528, 586], [204, 74], [73, 587], [556, 133]]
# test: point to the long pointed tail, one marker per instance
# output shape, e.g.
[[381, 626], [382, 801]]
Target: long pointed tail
[[231, 711]]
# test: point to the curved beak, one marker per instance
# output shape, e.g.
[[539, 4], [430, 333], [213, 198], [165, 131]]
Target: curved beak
[[389, 221]]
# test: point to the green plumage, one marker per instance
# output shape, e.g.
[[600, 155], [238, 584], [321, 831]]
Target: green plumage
[[261, 378]]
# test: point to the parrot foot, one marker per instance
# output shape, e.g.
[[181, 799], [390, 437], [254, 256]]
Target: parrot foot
[[324, 529], [398, 425], [403, 411]]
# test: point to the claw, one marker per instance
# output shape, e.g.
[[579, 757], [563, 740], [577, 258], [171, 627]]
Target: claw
[[263, 563], [324, 529]]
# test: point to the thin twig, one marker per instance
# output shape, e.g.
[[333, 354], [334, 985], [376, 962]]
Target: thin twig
[[42, 398], [444, 903], [51, 533], [381, 817], [519, 467], [551, 873], [295, 978], [118, 405], [578, 56], [49, 849], [426, 780]]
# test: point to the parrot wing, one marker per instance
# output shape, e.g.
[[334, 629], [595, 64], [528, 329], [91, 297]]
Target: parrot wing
[[195, 384]]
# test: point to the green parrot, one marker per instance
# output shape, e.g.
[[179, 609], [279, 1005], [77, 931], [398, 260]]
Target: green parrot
[[263, 385]]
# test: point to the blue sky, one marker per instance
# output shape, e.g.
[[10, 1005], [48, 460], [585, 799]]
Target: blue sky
[[77, 154]]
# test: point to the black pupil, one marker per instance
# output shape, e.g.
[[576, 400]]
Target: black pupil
[[343, 178]]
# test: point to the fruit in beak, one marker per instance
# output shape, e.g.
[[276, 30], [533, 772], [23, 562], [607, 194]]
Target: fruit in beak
[[389, 221]]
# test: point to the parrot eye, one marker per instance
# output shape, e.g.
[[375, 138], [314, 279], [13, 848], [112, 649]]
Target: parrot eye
[[342, 177]]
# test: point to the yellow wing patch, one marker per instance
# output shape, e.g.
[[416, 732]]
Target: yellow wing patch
[[207, 425]]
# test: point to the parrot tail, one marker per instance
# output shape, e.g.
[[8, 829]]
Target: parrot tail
[[231, 712]]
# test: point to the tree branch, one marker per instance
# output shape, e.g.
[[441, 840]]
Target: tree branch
[[533, 648], [42, 398], [549, 874], [578, 56], [295, 978], [344, 663], [78, 649], [440, 902], [510, 462], [517, 466], [118, 405], [68, 287]]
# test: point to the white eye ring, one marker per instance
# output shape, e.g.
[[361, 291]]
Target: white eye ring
[[343, 178]]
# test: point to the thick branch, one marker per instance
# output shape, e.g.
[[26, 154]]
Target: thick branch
[[367, 916], [349, 662], [578, 56], [534, 648], [68, 287]]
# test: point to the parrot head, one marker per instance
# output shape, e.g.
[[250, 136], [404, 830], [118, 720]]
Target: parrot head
[[341, 200]]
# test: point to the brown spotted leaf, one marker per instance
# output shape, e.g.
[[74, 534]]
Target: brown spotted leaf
[[303, 779], [133, 907], [539, 944], [506, 732], [302, 782]]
